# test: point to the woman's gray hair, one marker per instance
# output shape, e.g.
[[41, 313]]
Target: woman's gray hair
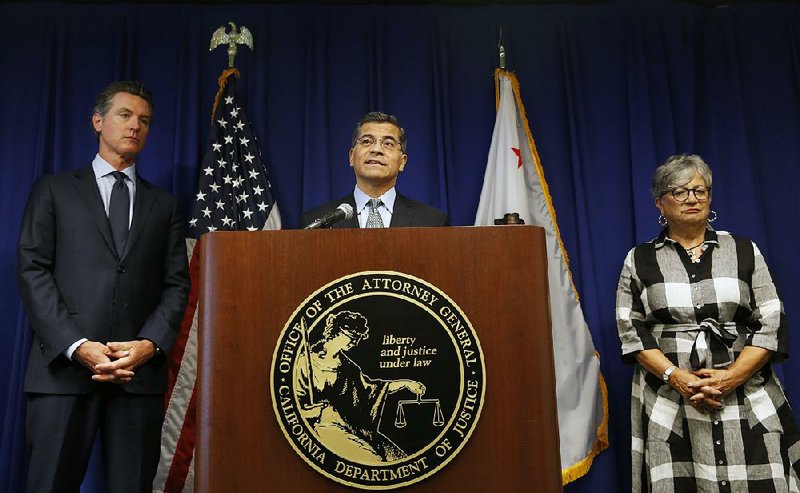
[[677, 171]]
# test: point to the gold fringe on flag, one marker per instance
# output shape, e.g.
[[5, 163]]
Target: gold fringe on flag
[[223, 81]]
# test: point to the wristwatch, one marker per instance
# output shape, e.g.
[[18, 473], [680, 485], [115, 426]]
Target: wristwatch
[[668, 372]]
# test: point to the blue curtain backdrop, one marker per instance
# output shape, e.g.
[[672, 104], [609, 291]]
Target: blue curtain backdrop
[[611, 89]]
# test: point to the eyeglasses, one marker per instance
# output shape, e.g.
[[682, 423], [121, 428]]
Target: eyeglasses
[[387, 143], [681, 194]]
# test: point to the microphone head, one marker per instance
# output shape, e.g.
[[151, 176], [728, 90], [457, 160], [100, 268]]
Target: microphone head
[[347, 209]]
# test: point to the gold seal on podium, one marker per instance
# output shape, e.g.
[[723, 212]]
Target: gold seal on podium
[[378, 380]]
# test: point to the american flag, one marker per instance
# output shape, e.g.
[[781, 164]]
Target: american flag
[[233, 194]]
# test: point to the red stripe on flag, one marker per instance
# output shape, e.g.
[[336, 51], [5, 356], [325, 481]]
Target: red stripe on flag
[[184, 451], [176, 355]]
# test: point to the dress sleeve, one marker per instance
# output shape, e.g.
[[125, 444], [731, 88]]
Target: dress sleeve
[[634, 332], [768, 319]]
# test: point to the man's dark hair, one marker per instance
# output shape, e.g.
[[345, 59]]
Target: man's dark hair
[[102, 102], [378, 117]]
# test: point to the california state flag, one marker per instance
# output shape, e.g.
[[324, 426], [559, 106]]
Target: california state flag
[[514, 182]]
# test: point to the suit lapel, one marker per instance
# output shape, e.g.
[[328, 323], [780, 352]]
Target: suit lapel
[[86, 185], [142, 205], [403, 213]]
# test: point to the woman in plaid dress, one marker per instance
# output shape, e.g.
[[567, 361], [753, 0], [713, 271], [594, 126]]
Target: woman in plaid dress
[[699, 315]]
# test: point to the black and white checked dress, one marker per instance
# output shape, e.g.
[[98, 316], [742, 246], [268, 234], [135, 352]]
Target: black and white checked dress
[[701, 315]]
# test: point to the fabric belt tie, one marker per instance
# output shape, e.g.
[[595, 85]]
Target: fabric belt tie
[[720, 339], [719, 336]]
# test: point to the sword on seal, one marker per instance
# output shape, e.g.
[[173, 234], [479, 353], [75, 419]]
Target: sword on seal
[[307, 344]]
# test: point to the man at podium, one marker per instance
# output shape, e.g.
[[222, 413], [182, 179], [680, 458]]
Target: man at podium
[[377, 156]]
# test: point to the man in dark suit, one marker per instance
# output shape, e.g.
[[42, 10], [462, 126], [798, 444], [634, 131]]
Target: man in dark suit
[[377, 156], [103, 275]]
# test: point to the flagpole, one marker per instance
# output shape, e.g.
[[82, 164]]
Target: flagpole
[[501, 49], [501, 55]]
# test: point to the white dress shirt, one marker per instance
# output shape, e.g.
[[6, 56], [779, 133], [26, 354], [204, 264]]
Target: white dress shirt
[[385, 209]]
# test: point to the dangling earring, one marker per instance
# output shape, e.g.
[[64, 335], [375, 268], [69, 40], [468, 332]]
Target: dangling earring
[[662, 221], [712, 219]]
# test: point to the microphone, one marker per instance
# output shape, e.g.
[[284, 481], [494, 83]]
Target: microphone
[[341, 213]]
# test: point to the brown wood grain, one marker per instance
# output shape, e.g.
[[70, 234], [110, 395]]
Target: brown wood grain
[[252, 282]]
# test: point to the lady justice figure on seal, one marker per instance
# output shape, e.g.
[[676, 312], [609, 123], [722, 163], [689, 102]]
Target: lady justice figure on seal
[[341, 403]]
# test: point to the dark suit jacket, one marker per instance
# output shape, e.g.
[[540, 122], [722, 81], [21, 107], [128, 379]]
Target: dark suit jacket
[[407, 213], [73, 284]]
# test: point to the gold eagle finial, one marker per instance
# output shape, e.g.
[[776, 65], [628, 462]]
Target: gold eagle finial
[[242, 37]]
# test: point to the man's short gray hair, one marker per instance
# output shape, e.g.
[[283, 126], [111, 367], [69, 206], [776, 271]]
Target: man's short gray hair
[[677, 171]]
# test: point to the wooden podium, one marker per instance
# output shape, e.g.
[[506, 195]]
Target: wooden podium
[[252, 282]]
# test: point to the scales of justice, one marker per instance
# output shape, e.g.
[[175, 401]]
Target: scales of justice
[[400, 416]]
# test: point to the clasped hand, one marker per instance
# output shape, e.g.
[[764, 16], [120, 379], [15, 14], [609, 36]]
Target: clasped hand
[[705, 388], [114, 362]]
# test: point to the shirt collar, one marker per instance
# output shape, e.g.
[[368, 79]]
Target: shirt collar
[[663, 239], [387, 198], [101, 168]]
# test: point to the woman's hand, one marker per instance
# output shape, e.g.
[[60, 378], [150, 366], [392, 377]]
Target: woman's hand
[[654, 361], [704, 399], [714, 383], [681, 380], [720, 382]]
